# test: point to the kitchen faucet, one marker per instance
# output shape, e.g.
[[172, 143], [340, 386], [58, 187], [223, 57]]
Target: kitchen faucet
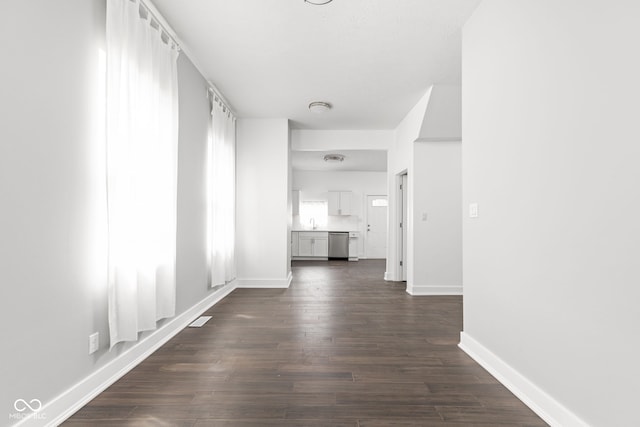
[[312, 221]]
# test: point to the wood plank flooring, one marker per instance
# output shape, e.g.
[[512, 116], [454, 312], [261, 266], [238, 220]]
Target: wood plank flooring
[[340, 347]]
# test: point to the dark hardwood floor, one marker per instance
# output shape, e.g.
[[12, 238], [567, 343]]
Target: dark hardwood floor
[[340, 347]]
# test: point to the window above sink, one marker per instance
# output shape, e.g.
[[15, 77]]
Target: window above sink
[[313, 213]]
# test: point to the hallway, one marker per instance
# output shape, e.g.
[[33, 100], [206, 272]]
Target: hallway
[[340, 347]]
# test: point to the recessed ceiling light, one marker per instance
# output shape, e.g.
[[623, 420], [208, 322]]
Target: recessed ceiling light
[[318, 2], [319, 107], [333, 157]]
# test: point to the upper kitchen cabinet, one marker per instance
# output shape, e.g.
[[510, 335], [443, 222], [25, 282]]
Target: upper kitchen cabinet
[[339, 203]]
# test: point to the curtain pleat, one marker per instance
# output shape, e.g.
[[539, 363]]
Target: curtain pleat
[[142, 153], [222, 190]]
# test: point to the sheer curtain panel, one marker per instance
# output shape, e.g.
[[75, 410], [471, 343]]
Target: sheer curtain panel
[[142, 153], [222, 191]]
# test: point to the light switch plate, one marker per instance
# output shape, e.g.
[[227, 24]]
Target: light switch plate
[[473, 210], [94, 342]]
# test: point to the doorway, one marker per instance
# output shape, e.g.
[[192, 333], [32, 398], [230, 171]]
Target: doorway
[[402, 210], [376, 238]]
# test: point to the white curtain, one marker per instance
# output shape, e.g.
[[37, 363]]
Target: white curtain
[[221, 194], [142, 153]]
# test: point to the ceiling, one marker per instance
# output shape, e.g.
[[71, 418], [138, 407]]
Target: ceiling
[[354, 160], [371, 59]]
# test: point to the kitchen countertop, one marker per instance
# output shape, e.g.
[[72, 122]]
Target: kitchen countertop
[[330, 231]]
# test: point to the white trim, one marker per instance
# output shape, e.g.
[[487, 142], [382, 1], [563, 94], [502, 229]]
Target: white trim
[[433, 290], [547, 408], [439, 139], [69, 402], [266, 283]]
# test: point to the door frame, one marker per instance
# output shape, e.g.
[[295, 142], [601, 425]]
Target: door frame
[[402, 186]]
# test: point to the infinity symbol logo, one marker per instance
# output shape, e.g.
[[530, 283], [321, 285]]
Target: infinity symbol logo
[[21, 405]]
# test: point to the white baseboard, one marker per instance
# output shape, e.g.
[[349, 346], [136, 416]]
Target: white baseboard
[[56, 411], [433, 290], [266, 283], [547, 408], [387, 276]]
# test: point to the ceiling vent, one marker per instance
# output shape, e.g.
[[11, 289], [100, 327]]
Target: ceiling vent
[[319, 107], [333, 157], [318, 2]]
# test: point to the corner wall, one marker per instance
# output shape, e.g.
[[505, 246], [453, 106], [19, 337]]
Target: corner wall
[[550, 153], [437, 223], [263, 209], [427, 149], [400, 160]]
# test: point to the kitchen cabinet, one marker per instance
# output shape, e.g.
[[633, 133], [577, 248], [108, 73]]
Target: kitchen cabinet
[[294, 243], [321, 247], [305, 245], [313, 244], [339, 203], [353, 246]]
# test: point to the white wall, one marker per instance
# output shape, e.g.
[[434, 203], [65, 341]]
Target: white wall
[[550, 153], [263, 202], [191, 262], [400, 160], [443, 118], [52, 209], [315, 185], [311, 139], [437, 242], [52, 184], [427, 149]]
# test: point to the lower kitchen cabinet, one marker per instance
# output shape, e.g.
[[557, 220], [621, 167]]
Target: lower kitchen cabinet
[[321, 246], [353, 246], [313, 244], [305, 245], [294, 243]]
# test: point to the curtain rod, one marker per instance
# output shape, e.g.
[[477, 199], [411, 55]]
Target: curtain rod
[[162, 23], [212, 89]]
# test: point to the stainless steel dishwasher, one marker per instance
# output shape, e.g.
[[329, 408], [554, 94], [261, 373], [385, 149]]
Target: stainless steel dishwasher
[[339, 245]]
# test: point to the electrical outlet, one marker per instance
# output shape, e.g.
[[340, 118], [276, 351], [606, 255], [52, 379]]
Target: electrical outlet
[[94, 342]]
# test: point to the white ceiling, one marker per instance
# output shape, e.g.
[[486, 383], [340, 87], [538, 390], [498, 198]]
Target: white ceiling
[[371, 59], [354, 160]]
